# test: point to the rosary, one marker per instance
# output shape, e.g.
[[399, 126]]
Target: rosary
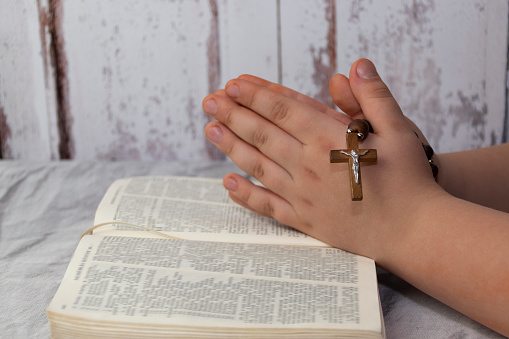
[[357, 131]]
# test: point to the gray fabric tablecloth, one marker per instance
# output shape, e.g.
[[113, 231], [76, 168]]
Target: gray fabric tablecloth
[[45, 207]]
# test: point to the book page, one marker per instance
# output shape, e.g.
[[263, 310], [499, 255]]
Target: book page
[[185, 283], [191, 208]]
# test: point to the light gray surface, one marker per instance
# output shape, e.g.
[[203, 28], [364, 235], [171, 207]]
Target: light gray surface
[[44, 208]]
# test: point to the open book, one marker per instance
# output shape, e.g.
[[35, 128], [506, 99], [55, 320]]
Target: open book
[[214, 269]]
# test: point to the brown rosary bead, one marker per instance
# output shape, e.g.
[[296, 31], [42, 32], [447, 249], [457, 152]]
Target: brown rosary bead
[[429, 151], [434, 168], [361, 127]]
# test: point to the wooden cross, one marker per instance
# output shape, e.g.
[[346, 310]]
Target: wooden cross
[[354, 156]]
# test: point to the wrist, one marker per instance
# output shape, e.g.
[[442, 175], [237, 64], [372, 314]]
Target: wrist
[[406, 226]]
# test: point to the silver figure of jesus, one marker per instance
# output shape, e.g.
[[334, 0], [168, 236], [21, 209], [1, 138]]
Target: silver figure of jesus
[[356, 165]]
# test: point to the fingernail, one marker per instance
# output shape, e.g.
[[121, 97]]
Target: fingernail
[[233, 91], [366, 70], [210, 107], [230, 184], [215, 134]]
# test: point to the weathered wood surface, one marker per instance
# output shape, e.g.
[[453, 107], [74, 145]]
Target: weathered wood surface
[[124, 79], [445, 62], [28, 128], [248, 39]]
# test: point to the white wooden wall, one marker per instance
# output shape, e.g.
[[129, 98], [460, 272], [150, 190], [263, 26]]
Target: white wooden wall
[[124, 79]]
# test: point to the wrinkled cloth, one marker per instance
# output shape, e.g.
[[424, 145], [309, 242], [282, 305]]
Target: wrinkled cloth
[[45, 207]]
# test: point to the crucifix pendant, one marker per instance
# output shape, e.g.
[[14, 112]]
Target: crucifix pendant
[[357, 130]]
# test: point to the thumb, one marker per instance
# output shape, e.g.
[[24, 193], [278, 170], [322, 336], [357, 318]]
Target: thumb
[[375, 98]]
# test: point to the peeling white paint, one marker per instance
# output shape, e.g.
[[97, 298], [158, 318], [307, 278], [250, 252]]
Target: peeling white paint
[[441, 59], [23, 95], [137, 78], [138, 70], [248, 39]]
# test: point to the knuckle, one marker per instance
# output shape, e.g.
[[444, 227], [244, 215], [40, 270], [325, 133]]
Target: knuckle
[[310, 174], [229, 149], [381, 91], [247, 195], [279, 110], [228, 116], [267, 208], [254, 98], [257, 170], [259, 137], [325, 143]]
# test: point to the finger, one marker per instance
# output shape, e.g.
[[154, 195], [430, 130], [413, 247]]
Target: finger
[[292, 116], [248, 158], [387, 119], [259, 199], [342, 95], [375, 98], [290, 93], [272, 141], [221, 92]]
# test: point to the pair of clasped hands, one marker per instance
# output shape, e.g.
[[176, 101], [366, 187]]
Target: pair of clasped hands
[[447, 237], [283, 139]]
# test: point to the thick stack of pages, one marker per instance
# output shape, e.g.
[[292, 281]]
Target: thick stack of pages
[[226, 272]]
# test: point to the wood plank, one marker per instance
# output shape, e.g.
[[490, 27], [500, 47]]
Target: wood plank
[[434, 57], [308, 46], [137, 73], [248, 39], [496, 62], [47, 30], [26, 92]]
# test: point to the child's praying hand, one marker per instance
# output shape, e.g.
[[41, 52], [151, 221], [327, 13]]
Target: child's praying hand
[[452, 249]]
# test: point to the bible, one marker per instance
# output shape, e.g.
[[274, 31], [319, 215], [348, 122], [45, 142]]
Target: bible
[[175, 257]]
